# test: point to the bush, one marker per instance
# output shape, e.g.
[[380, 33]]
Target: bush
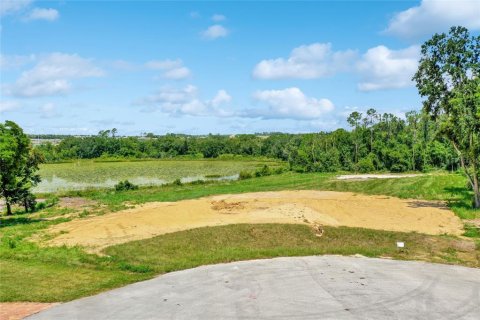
[[366, 165], [125, 185], [265, 171], [244, 175], [177, 182]]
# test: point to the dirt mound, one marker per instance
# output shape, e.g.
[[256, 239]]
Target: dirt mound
[[315, 208]]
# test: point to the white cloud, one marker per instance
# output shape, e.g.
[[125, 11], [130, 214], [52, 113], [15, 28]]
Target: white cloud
[[186, 101], [222, 97], [48, 110], [11, 6], [218, 17], [435, 16], [171, 69], [8, 105], [290, 103], [383, 68], [52, 75], [306, 62], [42, 14], [215, 31], [15, 61]]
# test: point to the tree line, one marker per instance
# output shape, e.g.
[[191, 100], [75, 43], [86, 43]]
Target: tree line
[[376, 142], [446, 134]]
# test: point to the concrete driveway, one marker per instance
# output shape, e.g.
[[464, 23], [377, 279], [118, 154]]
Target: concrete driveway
[[318, 287]]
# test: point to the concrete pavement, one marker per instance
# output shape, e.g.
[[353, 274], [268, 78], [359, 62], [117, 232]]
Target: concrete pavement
[[317, 287]]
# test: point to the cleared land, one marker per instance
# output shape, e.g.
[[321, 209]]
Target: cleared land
[[31, 272], [307, 207]]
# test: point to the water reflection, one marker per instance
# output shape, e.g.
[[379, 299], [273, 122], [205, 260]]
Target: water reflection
[[56, 183]]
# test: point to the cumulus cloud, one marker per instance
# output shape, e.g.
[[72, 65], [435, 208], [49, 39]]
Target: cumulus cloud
[[48, 110], [289, 103], [12, 6], [42, 14], [8, 62], [222, 97], [8, 105], [186, 101], [383, 68], [218, 17], [171, 69], [214, 32], [435, 16], [52, 75], [306, 62]]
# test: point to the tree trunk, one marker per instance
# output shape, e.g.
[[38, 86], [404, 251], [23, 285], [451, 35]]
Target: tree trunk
[[476, 190], [9, 208]]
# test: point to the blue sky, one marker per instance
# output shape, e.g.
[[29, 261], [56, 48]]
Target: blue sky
[[76, 67]]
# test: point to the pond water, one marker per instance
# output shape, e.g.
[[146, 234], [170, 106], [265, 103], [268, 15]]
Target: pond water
[[80, 175]]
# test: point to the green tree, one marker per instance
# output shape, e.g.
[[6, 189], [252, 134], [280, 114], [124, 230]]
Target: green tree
[[354, 121], [448, 77], [18, 166]]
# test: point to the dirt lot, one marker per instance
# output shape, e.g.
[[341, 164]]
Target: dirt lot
[[309, 207]]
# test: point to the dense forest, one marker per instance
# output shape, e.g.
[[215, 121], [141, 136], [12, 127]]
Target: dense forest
[[375, 142]]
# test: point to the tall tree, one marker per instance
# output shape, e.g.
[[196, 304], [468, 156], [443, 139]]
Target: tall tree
[[18, 166], [354, 121], [448, 77]]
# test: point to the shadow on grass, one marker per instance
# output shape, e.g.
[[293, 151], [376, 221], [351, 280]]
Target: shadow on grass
[[8, 222], [459, 193]]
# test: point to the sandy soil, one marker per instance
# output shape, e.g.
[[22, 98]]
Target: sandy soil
[[308, 207], [375, 176], [20, 310]]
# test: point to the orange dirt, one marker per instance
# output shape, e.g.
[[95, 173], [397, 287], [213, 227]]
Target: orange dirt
[[20, 310], [306, 207]]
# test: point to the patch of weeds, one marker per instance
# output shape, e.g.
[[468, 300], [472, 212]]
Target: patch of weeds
[[135, 268], [177, 182], [125, 186], [83, 214], [471, 231]]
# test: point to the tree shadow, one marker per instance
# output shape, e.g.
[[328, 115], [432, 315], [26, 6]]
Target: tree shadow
[[459, 193], [8, 222], [427, 204]]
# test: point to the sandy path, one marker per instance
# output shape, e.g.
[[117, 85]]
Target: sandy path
[[322, 207], [376, 176], [19, 310]]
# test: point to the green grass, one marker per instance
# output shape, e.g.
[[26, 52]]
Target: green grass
[[33, 273], [30, 273], [83, 174]]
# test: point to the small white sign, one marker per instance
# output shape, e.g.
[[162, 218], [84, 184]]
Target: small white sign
[[400, 244]]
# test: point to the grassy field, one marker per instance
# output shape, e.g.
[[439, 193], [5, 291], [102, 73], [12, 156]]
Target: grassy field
[[33, 273], [30, 273], [82, 174]]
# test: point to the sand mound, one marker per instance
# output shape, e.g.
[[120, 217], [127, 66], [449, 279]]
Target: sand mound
[[308, 207]]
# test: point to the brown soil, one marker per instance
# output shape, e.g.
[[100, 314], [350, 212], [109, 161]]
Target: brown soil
[[20, 310], [306, 207], [76, 203]]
